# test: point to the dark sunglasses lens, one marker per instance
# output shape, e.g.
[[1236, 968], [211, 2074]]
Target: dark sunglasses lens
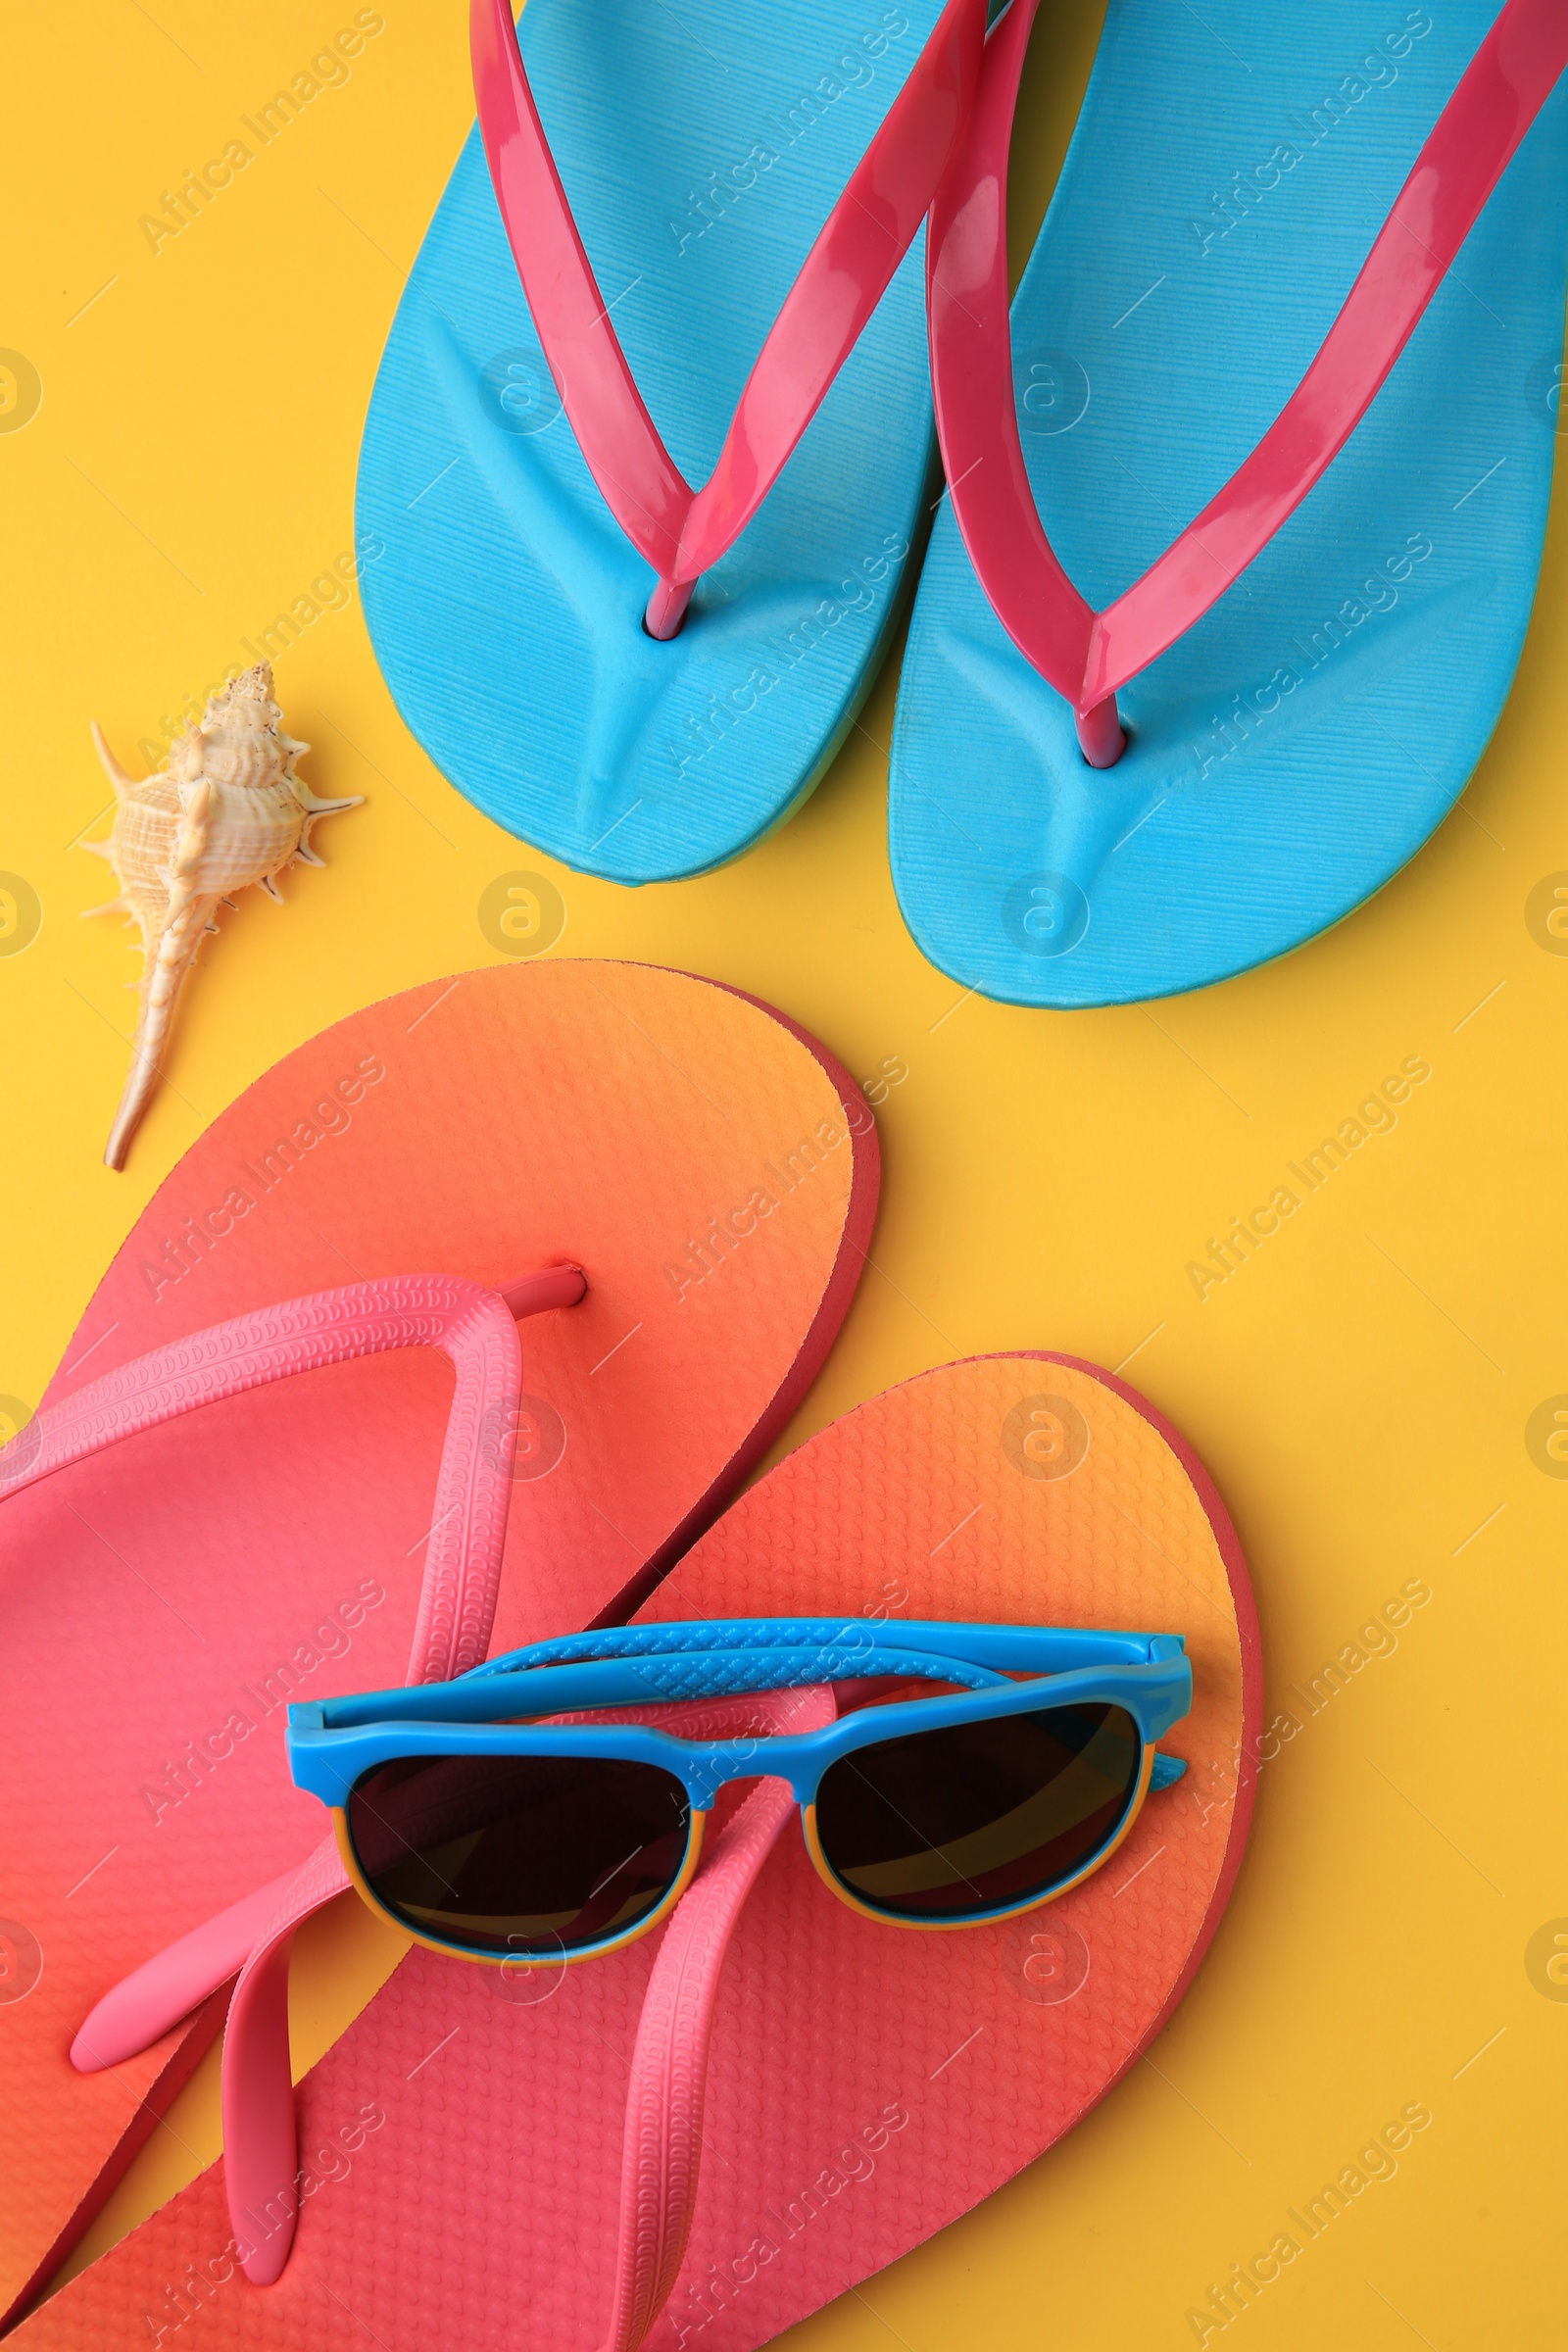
[[978, 1816], [519, 1854]]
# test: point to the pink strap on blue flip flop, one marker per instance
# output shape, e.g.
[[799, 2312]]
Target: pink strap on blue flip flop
[[866, 234], [1088, 655]]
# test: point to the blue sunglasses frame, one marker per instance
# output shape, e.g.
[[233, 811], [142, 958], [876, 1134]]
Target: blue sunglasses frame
[[332, 1743]]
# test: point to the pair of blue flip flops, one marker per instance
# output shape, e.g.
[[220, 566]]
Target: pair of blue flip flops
[[1286, 756]]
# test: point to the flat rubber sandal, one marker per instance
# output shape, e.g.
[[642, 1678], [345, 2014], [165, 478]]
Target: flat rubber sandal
[[669, 2146], [1308, 673], [172, 1577], [712, 219]]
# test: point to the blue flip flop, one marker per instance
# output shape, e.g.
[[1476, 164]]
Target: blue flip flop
[[1308, 670], [640, 680]]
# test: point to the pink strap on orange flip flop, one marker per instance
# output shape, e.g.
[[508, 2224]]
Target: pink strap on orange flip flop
[[661, 2158], [680, 531], [261, 2147], [472, 1326], [661, 2155], [153, 1999], [1088, 655], [477, 1328]]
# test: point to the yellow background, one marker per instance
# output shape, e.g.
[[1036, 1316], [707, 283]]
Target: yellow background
[[1360, 1390]]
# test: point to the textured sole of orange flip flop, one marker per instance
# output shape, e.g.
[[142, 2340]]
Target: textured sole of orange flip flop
[[713, 1170], [867, 2086]]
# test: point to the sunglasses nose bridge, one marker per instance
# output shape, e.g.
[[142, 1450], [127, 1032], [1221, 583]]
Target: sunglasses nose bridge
[[749, 1759]]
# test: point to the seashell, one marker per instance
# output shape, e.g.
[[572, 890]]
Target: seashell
[[223, 809]]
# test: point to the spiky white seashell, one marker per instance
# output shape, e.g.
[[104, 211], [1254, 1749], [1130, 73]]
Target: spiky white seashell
[[224, 808]]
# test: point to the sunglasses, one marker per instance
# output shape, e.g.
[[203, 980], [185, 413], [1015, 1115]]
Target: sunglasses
[[485, 1831]]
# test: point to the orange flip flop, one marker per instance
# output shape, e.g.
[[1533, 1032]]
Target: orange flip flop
[[461, 2147], [172, 1578]]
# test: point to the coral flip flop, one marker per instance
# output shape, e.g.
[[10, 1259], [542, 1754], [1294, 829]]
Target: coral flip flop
[[496, 2155], [640, 679], [1306, 671], [408, 1182]]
